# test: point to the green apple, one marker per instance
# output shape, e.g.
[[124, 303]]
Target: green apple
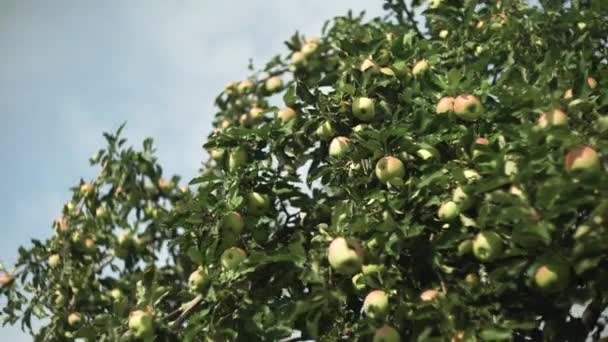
[[375, 305], [339, 147], [89, 245], [256, 113], [555, 117], [386, 334], [364, 108], [141, 324], [232, 258], [237, 159], [461, 198], [54, 260], [552, 277], [448, 211], [258, 203], [420, 67], [245, 86], [487, 246], [325, 130], [346, 257], [582, 158], [471, 278], [6, 279], [389, 168], [234, 222], [602, 124], [87, 189], [217, 154], [274, 83], [286, 114], [445, 105], [430, 295], [443, 34], [468, 107], [198, 280], [74, 319]]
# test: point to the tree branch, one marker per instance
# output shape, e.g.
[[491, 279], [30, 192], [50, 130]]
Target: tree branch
[[410, 17], [187, 310]]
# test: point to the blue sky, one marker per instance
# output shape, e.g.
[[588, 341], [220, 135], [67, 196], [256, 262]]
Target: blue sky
[[73, 69]]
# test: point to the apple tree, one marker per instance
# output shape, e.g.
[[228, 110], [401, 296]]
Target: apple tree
[[436, 174]]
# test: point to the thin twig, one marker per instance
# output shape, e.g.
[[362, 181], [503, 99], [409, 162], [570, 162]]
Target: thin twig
[[187, 311], [411, 19]]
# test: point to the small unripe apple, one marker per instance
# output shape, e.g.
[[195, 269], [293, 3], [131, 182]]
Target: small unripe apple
[[487, 246], [198, 280], [233, 221], [461, 198], [141, 324], [468, 107], [445, 105], [339, 147], [232, 258], [364, 108], [386, 334], [237, 159], [430, 295], [375, 305], [389, 168], [582, 158], [443, 34], [448, 211], [286, 114], [125, 239], [74, 319], [245, 86], [420, 67], [568, 94], [367, 64], [345, 257], [298, 58], [552, 277], [325, 130], [256, 113], [258, 203], [274, 83], [555, 117], [591, 82], [6, 279], [54, 260], [309, 48], [87, 189], [217, 153]]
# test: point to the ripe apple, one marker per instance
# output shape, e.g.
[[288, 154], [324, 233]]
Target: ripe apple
[[386, 334], [461, 198], [339, 147], [274, 83], [258, 203], [487, 246], [54, 260], [389, 168], [445, 105], [448, 211], [6, 279], [375, 304], [552, 277], [298, 58], [237, 159], [468, 107], [232, 258], [286, 114], [429, 295], [582, 158], [245, 86], [309, 48], [87, 189], [217, 153], [326, 130], [233, 221], [591, 82], [101, 212], [364, 108], [346, 257], [74, 319], [420, 67], [141, 324], [198, 280], [256, 113], [555, 117]]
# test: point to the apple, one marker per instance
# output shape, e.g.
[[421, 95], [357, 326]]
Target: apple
[[602, 124], [309, 48], [62, 225], [568, 94], [232, 258], [555, 117], [117, 295], [420, 67], [245, 86], [54, 260], [74, 319], [552, 277], [217, 153], [364, 108], [87, 189], [458, 337], [487, 246], [258, 203], [461, 198], [468, 107], [346, 257], [274, 83], [429, 295], [389, 168], [286, 114], [256, 113], [230, 87], [375, 304], [325, 130], [237, 159], [581, 158], [471, 278], [101, 212], [89, 245], [448, 211], [445, 105], [481, 141], [498, 21], [165, 184], [225, 124], [6, 279], [367, 64], [234, 222], [581, 25], [141, 324], [198, 280], [480, 25], [298, 58], [339, 147], [591, 82], [386, 334]]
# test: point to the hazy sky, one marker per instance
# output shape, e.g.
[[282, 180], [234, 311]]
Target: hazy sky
[[73, 69]]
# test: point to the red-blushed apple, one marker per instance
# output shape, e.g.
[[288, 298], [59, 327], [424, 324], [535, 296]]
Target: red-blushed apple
[[325, 130], [420, 67], [274, 83], [364, 108], [386, 334], [375, 305], [582, 158], [234, 222], [388, 168], [555, 117], [286, 114], [54, 260], [481, 141], [87, 189], [245, 86], [448, 211], [445, 105], [339, 147], [141, 324], [217, 154], [568, 94], [487, 246], [6, 279], [430, 295], [591, 82], [345, 257], [74, 319], [552, 277], [257, 203], [198, 280], [468, 107], [232, 258], [461, 198], [237, 158]]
